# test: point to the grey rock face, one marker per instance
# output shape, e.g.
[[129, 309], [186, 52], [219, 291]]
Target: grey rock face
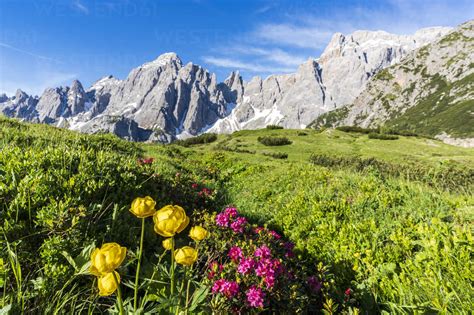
[[180, 100], [433, 79], [328, 83], [21, 105], [348, 62]]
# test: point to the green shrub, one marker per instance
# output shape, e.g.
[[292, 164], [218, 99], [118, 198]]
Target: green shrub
[[382, 136], [356, 129], [301, 133], [276, 155], [274, 141], [274, 127], [201, 139]]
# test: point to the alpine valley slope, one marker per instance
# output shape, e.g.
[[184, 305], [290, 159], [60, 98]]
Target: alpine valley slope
[[431, 92], [164, 99]]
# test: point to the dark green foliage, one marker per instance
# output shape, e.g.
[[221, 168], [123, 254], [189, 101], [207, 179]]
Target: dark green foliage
[[382, 136], [274, 127], [276, 155], [274, 141], [201, 139], [301, 133], [357, 129]]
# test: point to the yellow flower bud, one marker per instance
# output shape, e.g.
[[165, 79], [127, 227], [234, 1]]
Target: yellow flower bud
[[170, 220], [168, 243], [185, 255], [198, 233], [143, 207], [107, 258], [107, 284]]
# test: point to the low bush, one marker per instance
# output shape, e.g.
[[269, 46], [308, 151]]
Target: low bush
[[201, 139], [274, 141], [301, 133], [382, 136], [251, 268], [274, 127], [356, 129], [276, 155]]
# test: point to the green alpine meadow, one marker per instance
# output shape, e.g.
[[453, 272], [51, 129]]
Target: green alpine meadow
[[378, 226]]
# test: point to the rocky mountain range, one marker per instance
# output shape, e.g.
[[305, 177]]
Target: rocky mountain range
[[165, 99], [431, 91]]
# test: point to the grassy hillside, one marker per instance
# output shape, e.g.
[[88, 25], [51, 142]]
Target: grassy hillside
[[388, 219]]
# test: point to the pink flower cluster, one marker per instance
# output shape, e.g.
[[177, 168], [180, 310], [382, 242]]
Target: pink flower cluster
[[255, 297], [258, 269], [228, 288], [235, 253], [230, 217]]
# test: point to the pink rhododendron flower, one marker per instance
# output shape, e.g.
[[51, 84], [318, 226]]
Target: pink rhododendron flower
[[238, 225], [246, 265], [216, 288], [235, 253], [263, 252], [194, 185], [222, 219], [270, 281], [264, 267], [228, 288], [255, 297], [348, 291], [231, 212]]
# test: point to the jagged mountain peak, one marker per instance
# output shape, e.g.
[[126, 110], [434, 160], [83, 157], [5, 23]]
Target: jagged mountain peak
[[163, 60]]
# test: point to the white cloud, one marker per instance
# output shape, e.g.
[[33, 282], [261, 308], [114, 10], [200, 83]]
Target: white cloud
[[27, 52], [81, 7], [273, 55], [292, 35], [243, 65]]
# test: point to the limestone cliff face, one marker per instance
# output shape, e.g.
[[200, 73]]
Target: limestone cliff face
[[431, 91], [325, 84]]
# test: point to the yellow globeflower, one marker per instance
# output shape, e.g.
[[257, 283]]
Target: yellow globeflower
[[143, 207], [168, 243], [107, 258], [198, 233], [107, 284], [185, 255], [170, 220]]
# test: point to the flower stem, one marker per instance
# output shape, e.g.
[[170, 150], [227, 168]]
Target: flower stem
[[119, 294], [188, 277], [137, 275], [172, 269]]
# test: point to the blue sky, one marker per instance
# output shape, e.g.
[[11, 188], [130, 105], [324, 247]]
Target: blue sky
[[46, 43]]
